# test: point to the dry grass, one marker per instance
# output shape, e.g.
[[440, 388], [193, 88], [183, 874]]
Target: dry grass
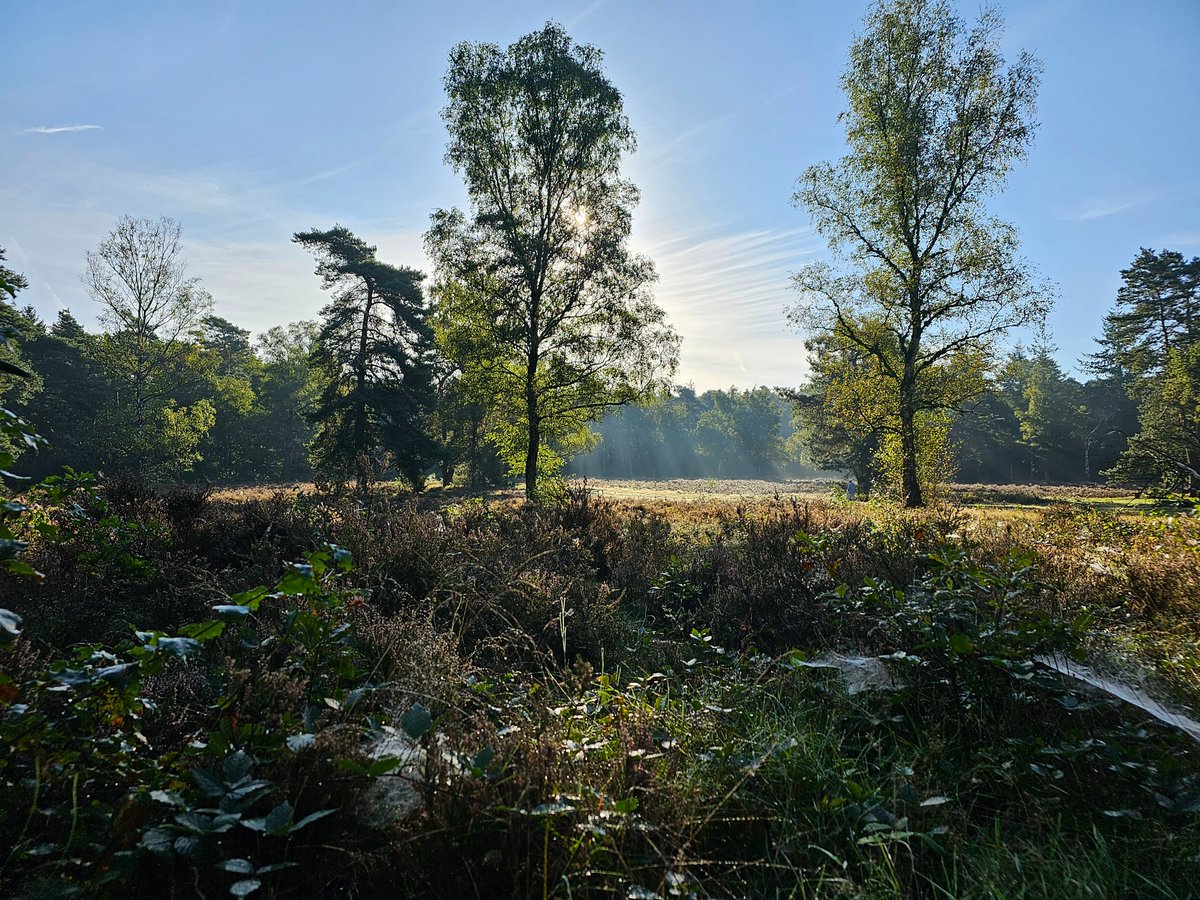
[[623, 665]]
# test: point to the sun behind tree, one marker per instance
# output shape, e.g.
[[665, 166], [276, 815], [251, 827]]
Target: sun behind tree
[[562, 322]]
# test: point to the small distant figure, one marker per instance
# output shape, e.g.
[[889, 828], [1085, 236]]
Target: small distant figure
[[851, 489]]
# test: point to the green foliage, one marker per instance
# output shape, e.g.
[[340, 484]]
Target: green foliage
[[935, 458], [76, 389], [1156, 312], [15, 433], [285, 389], [1151, 338], [17, 383], [934, 121], [1047, 406], [151, 811], [557, 315], [850, 409], [709, 726], [150, 308], [372, 355]]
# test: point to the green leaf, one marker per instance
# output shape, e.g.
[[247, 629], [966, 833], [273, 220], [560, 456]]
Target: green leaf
[[251, 598], [208, 783], [961, 644], [188, 845], [352, 765], [483, 759], [245, 790], [237, 866], [194, 821], [158, 841], [416, 721], [312, 817], [178, 646], [276, 822], [225, 821], [298, 580], [279, 818], [627, 806], [231, 612], [383, 766], [20, 567], [245, 887], [236, 767], [275, 867], [47, 530], [203, 631], [118, 674]]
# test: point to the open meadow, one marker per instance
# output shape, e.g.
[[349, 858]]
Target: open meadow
[[631, 695]]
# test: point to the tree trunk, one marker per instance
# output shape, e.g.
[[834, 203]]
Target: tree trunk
[[532, 448], [361, 451], [534, 443], [910, 481], [473, 452]]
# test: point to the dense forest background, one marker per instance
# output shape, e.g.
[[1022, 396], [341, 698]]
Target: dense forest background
[[537, 348], [211, 403], [231, 408]]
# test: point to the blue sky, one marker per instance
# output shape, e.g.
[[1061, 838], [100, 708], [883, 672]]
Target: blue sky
[[248, 121]]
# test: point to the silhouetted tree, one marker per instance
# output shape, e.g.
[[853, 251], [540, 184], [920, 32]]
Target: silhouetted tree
[[373, 354], [563, 317]]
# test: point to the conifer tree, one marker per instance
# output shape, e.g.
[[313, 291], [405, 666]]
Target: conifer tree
[[373, 354]]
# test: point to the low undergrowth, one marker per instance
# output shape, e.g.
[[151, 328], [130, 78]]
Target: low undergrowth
[[583, 699]]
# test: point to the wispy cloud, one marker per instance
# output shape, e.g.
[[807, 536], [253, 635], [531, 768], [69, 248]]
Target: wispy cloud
[[1181, 239], [689, 146], [585, 12], [236, 234], [725, 292], [1110, 205], [60, 129]]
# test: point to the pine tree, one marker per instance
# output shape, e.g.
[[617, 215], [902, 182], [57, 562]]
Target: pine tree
[[1153, 338], [373, 354]]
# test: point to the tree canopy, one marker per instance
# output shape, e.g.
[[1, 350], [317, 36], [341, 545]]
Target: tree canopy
[[150, 308], [373, 352], [561, 318], [1152, 339], [925, 280]]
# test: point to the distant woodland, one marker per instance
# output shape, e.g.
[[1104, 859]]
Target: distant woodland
[[220, 405]]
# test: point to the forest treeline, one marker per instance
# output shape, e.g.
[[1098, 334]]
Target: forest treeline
[[1034, 424], [224, 406]]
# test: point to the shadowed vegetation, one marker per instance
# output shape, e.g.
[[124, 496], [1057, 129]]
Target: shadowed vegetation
[[601, 697]]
